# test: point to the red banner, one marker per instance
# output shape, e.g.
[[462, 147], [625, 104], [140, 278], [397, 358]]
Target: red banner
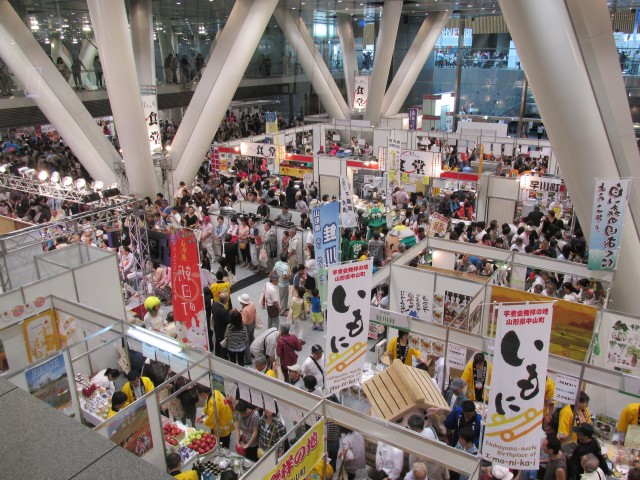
[[186, 290]]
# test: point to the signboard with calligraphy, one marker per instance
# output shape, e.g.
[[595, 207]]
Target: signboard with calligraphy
[[360, 93], [541, 184], [438, 225], [299, 460], [326, 233], [265, 150], [150, 107], [348, 217], [348, 311], [413, 118], [419, 305], [516, 404], [419, 162], [186, 290], [609, 207]]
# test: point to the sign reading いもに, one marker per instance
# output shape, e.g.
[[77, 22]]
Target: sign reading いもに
[[186, 290], [516, 405], [609, 207], [299, 460], [347, 324]]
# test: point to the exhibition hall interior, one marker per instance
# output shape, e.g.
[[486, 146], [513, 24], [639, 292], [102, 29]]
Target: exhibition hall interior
[[320, 239]]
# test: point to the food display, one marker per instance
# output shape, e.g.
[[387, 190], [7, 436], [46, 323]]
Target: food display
[[95, 401], [225, 460], [200, 441]]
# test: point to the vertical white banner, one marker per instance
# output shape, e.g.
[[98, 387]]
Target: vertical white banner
[[360, 93], [150, 107], [348, 309], [393, 160], [348, 217], [516, 406]]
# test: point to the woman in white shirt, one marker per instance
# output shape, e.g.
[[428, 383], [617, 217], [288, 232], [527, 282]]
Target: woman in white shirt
[[105, 378]]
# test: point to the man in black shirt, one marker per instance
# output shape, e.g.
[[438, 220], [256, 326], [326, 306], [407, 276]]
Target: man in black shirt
[[586, 444]]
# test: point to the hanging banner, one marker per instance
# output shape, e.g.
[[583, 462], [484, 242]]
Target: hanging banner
[[271, 122], [420, 163], [265, 150], [516, 405], [348, 217], [348, 311], [326, 233], [149, 99], [298, 172], [299, 460], [609, 207], [438, 225], [393, 174], [413, 118], [186, 290], [360, 93]]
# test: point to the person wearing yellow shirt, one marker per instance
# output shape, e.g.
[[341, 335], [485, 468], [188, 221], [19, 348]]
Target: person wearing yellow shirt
[[477, 374], [118, 402], [549, 392], [174, 463], [629, 416], [399, 349], [262, 366], [137, 386], [222, 413], [568, 419], [317, 473], [220, 286]]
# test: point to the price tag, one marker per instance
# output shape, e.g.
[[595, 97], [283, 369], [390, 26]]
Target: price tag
[[566, 389]]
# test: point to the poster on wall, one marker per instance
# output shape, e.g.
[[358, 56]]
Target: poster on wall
[[132, 431], [186, 290], [348, 311], [516, 404], [623, 343], [428, 346], [348, 217], [360, 93], [573, 323], [417, 305], [326, 233], [299, 460], [40, 335], [454, 308], [609, 207], [49, 382]]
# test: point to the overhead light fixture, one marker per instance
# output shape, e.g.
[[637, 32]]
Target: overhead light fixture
[[98, 185], [55, 177], [81, 183], [67, 181], [166, 345], [43, 175], [5, 168]]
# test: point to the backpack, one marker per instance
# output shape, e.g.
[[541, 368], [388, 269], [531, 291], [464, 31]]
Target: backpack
[[555, 418]]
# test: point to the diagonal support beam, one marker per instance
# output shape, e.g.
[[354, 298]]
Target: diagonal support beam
[[313, 64], [349, 60], [571, 62], [224, 71], [111, 27], [385, 44], [414, 60], [53, 95]]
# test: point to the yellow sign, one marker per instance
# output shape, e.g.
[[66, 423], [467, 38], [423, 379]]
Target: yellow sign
[[301, 458], [294, 171], [405, 178], [425, 180], [41, 335], [392, 176]]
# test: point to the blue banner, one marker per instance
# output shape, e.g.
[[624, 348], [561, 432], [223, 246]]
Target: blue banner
[[413, 118], [326, 233]]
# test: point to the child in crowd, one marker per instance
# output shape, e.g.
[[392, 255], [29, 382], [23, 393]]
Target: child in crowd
[[316, 310]]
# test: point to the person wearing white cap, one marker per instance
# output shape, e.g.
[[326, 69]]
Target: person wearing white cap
[[295, 376], [498, 472], [249, 315]]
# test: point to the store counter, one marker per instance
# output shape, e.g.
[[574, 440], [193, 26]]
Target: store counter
[[95, 408]]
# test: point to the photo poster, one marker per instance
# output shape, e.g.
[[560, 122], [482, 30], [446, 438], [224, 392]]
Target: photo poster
[[572, 327], [68, 331], [40, 335], [609, 208], [49, 382], [133, 430], [605, 427], [186, 290], [348, 310], [623, 342], [516, 403], [454, 307], [428, 346]]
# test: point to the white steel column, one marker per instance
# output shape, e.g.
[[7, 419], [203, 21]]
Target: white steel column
[[62, 107], [553, 43], [385, 44], [109, 19], [414, 60], [349, 60], [225, 69], [87, 54], [312, 63], [142, 41]]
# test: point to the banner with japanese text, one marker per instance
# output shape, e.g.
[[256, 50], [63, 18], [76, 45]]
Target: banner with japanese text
[[264, 150], [186, 290], [150, 106], [413, 118], [438, 225], [393, 174], [271, 122], [348, 217], [360, 93], [348, 310], [299, 460], [516, 403], [326, 233], [609, 207]]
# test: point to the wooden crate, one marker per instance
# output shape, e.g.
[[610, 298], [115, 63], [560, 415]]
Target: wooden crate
[[400, 389]]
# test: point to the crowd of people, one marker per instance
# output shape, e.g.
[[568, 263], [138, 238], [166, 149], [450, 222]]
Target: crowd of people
[[448, 58]]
